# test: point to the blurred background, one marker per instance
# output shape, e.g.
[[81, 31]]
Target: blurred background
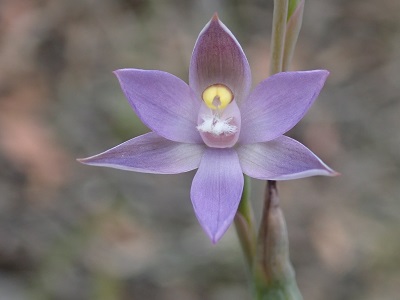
[[69, 231]]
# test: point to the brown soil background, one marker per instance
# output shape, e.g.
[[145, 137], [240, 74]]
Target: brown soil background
[[69, 231]]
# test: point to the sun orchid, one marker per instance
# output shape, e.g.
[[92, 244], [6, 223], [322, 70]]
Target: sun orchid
[[216, 125]]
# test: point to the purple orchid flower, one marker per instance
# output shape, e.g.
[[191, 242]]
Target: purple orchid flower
[[215, 124]]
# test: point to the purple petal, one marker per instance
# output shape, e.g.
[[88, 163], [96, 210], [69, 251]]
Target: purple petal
[[216, 190], [278, 103], [150, 153], [165, 103], [281, 159], [218, 58]]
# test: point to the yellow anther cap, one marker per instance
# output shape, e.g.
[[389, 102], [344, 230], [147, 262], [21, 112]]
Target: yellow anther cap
[[217, 96]]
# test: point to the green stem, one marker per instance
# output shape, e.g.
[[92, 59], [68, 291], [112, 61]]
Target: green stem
[[293, 26], [274, 277], [278, 35], [273, 274], [244, 223]]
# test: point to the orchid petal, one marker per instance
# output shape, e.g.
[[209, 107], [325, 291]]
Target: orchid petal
[[218, 58], [281, 159], [279, 103], [216, 190], [150, 153], [163, 102]]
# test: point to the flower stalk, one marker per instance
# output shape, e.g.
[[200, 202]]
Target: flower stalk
[[293, 26], [273, 274], [244, 223], [278, 35]]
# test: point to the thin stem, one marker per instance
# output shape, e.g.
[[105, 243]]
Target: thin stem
[[273, 274], [280, 18], [244, 222], [270, 191], [278, 35], [293, 26], [274, 277]]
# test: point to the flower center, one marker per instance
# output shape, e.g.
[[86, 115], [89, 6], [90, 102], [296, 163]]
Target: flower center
[[217, 125], [219, 117], [217, 96]]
